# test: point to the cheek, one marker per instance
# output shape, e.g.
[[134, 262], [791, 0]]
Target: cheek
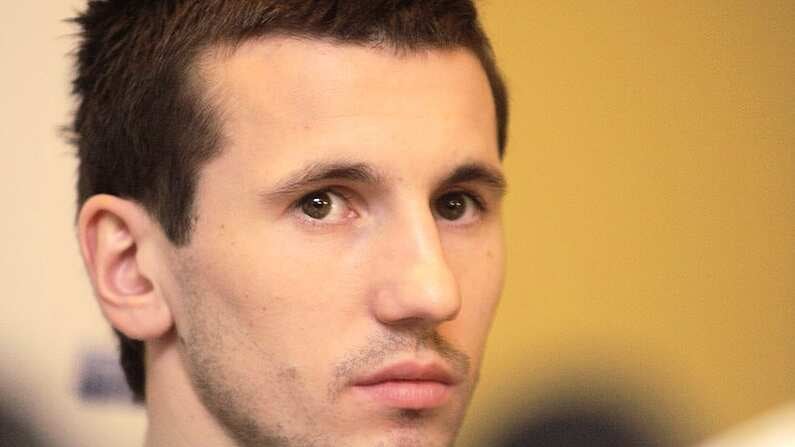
[[478, 264], [280, 287], [477, 260], [248, 314]]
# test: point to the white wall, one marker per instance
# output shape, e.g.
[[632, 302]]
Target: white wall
[[48, 318]]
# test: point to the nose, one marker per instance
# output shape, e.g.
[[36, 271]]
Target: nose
[[414, 284]]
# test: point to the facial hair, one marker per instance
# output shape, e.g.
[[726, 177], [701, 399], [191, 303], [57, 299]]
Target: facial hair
[[207, 337]]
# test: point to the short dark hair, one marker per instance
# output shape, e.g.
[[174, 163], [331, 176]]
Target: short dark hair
[[142, 129]]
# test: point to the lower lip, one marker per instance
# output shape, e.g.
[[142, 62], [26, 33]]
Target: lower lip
[[408, 394]]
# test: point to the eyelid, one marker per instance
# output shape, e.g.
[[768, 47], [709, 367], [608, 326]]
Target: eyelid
[[347, 200], [482, 205], [480, 202], [480, 208]]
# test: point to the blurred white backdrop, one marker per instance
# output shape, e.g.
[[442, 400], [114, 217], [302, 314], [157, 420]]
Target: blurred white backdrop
[[48, 318]]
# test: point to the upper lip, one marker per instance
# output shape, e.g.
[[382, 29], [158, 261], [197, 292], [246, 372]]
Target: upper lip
[[409, 370]]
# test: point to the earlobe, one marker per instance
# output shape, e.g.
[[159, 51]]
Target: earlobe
[[112, 232]]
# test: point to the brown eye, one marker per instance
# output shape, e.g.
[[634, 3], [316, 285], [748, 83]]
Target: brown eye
[[452, 206], [317, 205]]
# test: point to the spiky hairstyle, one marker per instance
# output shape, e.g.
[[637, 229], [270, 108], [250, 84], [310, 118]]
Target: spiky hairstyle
[[142, 130]]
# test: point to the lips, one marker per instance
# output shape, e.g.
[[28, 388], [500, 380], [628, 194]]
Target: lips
[[408, 385]]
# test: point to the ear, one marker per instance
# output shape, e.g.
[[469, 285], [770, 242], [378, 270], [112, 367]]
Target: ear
[[113, 234]]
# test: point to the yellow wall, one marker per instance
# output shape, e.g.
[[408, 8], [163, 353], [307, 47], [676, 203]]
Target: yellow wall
[[651, 215], [651, 218]]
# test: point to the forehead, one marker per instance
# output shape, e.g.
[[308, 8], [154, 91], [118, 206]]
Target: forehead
[[297, 98]]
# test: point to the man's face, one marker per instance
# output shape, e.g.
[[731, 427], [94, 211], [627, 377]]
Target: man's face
[[347, 253]]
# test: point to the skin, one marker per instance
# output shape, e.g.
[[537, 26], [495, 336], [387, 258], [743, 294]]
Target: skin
[[256, 328]]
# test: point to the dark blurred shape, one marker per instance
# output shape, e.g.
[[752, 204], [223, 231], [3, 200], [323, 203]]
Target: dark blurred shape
[[15, 432], [101, 378], [578, 427]]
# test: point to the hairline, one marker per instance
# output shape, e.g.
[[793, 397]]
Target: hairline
[[203, 91], [197, 71]]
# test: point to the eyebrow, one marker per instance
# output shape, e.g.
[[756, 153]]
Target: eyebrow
[[324, 171], [364, 173], [474, 172]]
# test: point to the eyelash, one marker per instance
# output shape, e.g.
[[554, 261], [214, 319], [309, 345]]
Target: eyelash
[[296, 206], [479, 202]]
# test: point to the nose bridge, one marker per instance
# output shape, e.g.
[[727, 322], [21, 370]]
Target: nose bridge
[[419, 284]]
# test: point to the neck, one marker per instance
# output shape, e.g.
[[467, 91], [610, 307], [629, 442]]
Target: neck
[[177, 418]]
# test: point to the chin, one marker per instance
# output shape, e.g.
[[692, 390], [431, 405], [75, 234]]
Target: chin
[[409, 428], [401, 438]]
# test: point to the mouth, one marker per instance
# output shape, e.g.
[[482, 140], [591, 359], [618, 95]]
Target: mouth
[[408, 385]]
